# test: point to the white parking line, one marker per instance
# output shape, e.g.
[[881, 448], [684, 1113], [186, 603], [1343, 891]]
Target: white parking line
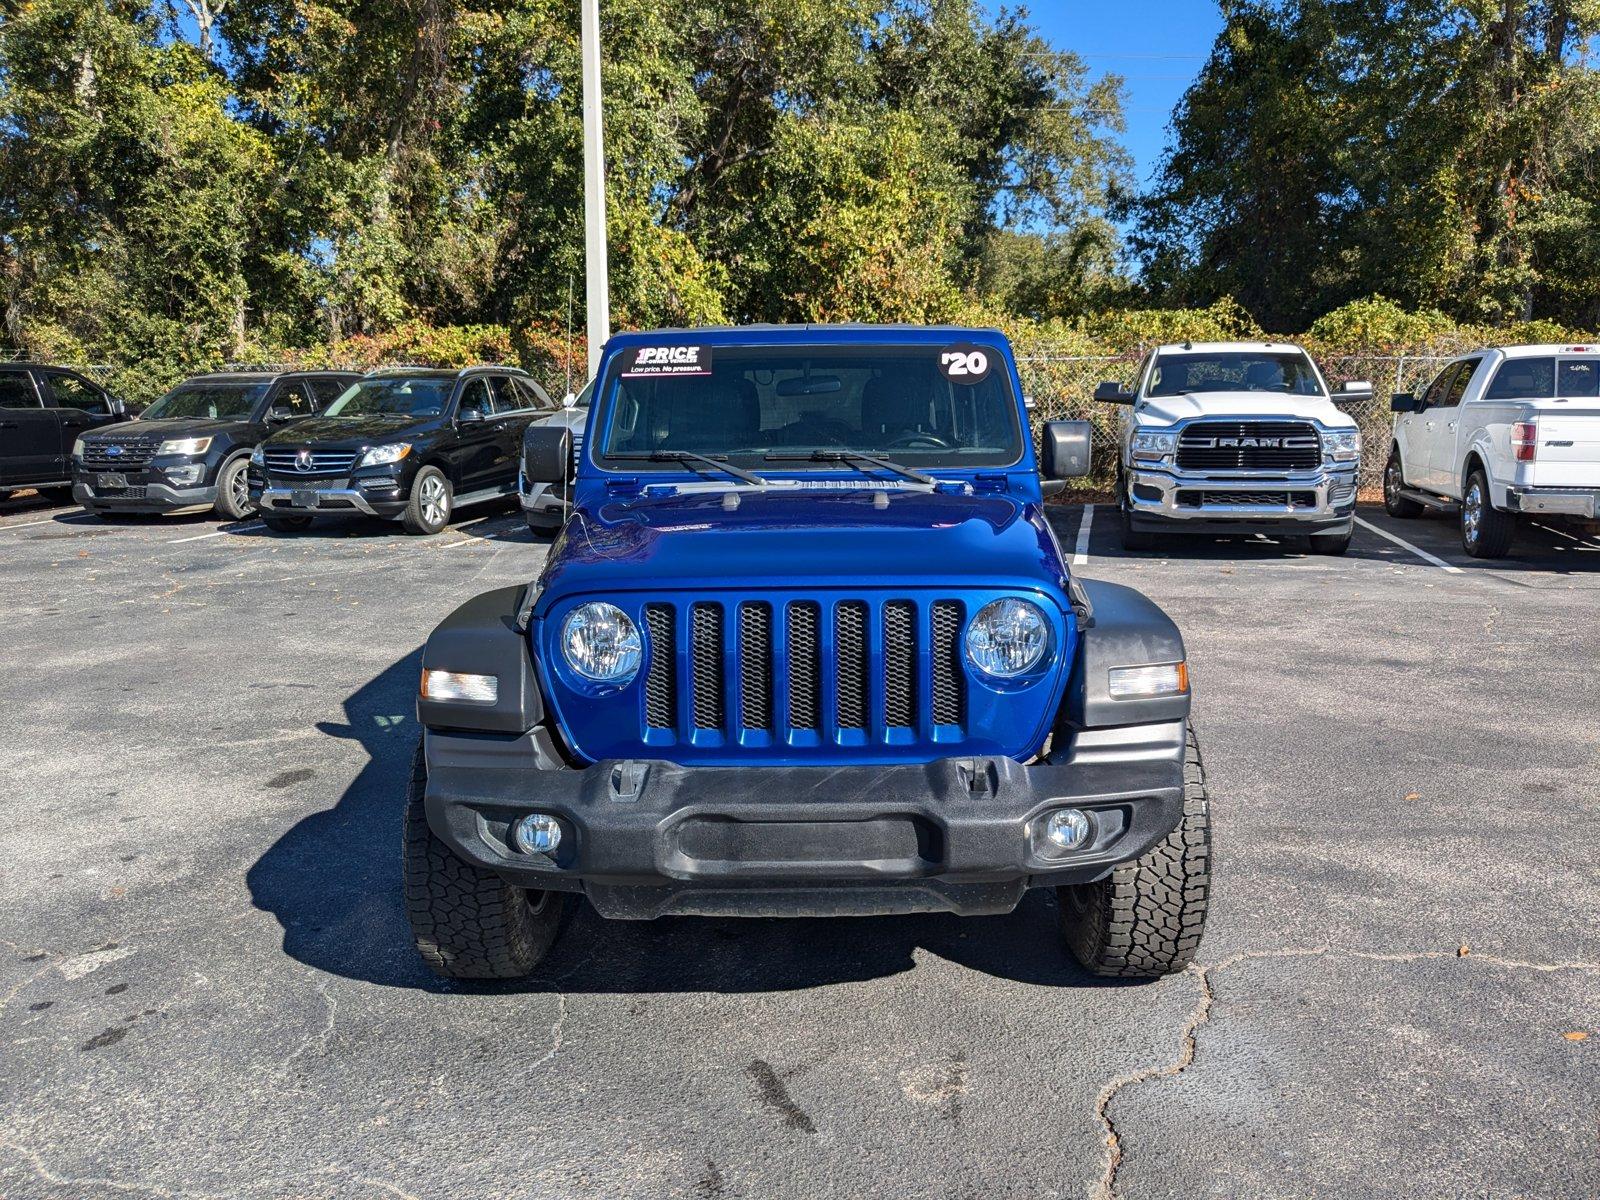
[[1405, 545], [1080, 554], [199, 537], [28, 524]]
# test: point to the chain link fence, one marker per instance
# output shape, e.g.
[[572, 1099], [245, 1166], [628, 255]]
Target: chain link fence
[[1061, 387]]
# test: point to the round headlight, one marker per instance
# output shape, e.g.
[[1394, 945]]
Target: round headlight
[[1007, 638], [601, 643]]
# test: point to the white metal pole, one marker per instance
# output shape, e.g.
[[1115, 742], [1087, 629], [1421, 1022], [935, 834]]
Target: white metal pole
[[597, 288]]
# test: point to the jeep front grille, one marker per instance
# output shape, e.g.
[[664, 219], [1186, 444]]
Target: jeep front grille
[[849, 668], [1249, 446]]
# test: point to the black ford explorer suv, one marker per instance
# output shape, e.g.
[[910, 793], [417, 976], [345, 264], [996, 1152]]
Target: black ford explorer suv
[[42, 411], [189, 450], [414, 443]]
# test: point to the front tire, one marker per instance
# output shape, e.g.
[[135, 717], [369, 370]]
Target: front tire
[[286, 524], [1330, 543], [233, 490], [1146, 918], [1134, 539], [428, 511], [1486, 532], [468, 923], [1394, 482]]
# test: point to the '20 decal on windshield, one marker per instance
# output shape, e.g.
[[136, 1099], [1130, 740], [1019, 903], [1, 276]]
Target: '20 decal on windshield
[[964, 364]]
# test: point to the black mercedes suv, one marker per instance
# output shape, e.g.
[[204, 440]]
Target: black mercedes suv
[[189, 451], [413, 443]]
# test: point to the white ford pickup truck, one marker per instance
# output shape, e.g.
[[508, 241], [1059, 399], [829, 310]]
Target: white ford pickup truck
[[1500, 432], [1236, 438]]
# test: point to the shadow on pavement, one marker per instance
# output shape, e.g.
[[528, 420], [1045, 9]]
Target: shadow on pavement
[[333, 883]]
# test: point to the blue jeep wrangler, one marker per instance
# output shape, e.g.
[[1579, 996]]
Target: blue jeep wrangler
[[806, 646]]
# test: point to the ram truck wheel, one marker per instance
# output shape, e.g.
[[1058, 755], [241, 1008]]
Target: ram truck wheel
[[1145, 919], [468, 923], [1486, 532], [1135, 539], [1330, 543]]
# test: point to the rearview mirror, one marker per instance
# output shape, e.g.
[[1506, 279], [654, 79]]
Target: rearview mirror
[[546, 453], [1068, 446], [1353, 389], [1403, 402], [1112, 392]]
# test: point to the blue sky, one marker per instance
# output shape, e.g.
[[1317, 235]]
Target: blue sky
[[1157, 46]]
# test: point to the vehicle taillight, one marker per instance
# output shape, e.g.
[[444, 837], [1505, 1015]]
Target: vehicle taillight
[[1524, 440]]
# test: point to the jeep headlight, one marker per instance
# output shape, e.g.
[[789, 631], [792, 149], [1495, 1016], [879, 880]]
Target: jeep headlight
[[258, 457], [380, 455], [184, 446], [1151, 445], [601, 643], [1008, 638], [1343, 445]]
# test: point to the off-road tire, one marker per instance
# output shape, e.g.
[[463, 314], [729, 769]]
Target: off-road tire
[[1490, 536], [421, 515], [286, 524], [1329, 543], [1394, 479], [1146, 918], [231, 505], [468, 923]]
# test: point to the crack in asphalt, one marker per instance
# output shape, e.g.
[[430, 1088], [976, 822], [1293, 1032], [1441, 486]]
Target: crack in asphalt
[[36, 1162], [1200, 1014]]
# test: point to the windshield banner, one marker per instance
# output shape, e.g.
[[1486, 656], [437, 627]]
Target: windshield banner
[[647, 362]]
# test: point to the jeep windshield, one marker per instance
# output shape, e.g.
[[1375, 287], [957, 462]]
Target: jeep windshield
[[394, 397], [1287, 373], [798, 408], [206, 401]]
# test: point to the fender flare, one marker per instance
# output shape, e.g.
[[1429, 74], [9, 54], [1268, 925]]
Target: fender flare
[[485, 636], [1123, 628]]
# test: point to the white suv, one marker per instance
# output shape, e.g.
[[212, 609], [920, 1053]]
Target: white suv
[[1236, 438], [1499, 432]]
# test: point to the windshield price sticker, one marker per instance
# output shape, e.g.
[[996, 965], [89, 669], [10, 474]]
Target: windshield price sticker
[[964, 364], [667, 361]]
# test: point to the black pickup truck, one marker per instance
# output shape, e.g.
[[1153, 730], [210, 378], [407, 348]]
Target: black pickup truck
[[43, 410]]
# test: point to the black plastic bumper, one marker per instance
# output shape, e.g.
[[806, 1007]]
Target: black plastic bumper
[[645, 839], [144, 496]]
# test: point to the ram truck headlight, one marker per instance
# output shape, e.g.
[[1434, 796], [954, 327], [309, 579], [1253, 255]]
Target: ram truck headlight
[[1343, 445], [184, 446], [1143, 683], [258, 457], [601, 643], [380, 455], [1007, 638], [1153, 446]]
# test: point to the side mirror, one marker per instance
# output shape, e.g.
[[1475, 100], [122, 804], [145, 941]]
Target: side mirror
[[119, 406], [570, 400], [1402, 402], [1067, 449], [470, 416], [278, 414], [1112, 392], [1353, 389], [546, 453]]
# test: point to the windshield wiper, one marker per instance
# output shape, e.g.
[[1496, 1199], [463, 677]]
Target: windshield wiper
[[854, 456], [688, 456]]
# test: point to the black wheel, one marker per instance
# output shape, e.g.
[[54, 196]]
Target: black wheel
[[1486, 532], [428, 510], [1134, 539], [1394, 481], [1330, 543], [286, 524], [469, 924], [543, 524], [1146, 919], [56, 495], [233, 490]]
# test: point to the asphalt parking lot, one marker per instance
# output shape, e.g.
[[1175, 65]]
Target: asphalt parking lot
[[208, 988]]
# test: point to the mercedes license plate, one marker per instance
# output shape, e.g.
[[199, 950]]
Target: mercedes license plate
[[304, 497]]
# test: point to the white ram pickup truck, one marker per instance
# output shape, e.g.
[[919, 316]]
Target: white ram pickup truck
[[1498, 433], [1226, 438]]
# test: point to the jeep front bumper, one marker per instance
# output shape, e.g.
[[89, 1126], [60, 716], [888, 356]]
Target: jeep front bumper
[[643, 839], [1313, 501]]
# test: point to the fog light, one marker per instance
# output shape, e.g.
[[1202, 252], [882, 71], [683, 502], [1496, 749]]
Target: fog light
[[537, 834], [185, 476], [1067, 828]]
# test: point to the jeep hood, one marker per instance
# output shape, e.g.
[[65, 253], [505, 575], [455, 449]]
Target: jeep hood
[[802, 537], [1168, 410]]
